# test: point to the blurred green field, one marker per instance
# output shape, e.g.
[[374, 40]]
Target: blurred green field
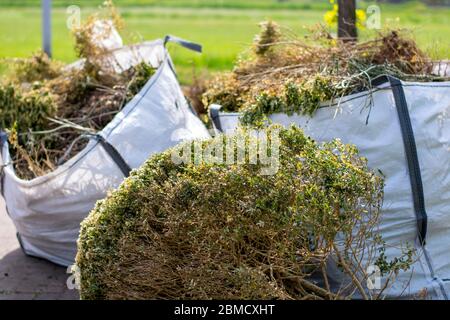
[[224, 27]]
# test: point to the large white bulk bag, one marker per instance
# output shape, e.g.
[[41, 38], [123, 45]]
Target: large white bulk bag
[[405, 133], [47, 210]]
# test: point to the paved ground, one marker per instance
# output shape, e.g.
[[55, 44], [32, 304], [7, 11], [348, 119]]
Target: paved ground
[[23, 277]]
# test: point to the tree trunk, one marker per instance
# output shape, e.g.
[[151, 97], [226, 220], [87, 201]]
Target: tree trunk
[[347, 20]]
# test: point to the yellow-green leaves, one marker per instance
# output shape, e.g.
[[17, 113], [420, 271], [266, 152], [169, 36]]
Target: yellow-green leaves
[[201, 230]]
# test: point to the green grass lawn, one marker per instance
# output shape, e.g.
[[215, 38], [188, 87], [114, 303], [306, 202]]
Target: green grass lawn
[[224, 27]]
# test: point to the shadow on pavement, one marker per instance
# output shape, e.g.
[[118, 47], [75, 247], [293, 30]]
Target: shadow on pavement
[[24, 277]]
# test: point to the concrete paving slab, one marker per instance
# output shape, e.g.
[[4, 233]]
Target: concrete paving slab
[[27, 278]]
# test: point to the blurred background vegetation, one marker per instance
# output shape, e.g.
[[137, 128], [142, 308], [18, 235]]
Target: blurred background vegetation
[[223, 27]]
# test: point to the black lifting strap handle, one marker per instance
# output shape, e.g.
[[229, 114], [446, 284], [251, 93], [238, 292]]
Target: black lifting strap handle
[[115, 155], [411, 158], [214, 112], [184, 43], [3, 140]]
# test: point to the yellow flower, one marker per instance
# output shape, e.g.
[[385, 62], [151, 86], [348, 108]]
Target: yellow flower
[[360, 18], [331, 17]]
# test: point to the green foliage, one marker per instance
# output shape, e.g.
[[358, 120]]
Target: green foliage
[[38, 67], [89, 35], [226, 231], [269, 35], [21, 113], [395, 265], [290, 75], [31, 112], [45, 106], [234, 23], [304, 99], [256, 114], [25, 111], [223, 88], [141, 73]]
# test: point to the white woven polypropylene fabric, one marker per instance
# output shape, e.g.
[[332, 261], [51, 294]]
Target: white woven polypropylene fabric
[[47, 211], [380, 141]]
